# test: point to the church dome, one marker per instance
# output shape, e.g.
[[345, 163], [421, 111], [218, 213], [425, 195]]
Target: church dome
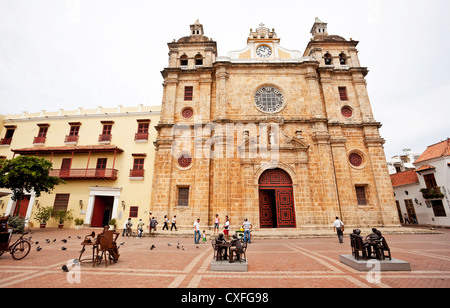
[[193, 39]]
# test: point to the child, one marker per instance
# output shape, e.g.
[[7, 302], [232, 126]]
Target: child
[[204, 237]]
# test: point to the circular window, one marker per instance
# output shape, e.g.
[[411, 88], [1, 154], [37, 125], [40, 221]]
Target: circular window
[[269, 99], [187, 113], [184, 161], [355, 160], [347, 112]]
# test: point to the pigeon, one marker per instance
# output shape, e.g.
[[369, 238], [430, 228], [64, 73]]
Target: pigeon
[[69, 236], [196, 246], [182, 247], [36, 242], [78, 237], [63, 248], [38, 248], [123, 243], [168, 244], [65, 268], [178, 247], [47, 240], [64, 240], [54, 240], [153, 246]]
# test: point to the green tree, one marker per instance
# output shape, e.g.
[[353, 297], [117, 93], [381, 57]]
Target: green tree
[[27, 173]]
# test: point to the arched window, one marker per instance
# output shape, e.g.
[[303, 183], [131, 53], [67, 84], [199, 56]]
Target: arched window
[[199, 59], [328, 59], [342, 59], [184, 60]]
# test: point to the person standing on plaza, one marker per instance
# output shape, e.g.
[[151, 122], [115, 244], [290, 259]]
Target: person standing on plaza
[[247, 227], [166, 223], [216, 224], [140, 228], [338, 227], [226, 226], [129, 225], [125, 228], [204, 237], [197, 231], [174, 223], [153, 224]]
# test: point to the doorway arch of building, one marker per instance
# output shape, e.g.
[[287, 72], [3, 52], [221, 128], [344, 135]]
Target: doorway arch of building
[[276, 199], [103, 205]]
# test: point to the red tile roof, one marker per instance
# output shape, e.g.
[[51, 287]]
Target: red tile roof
[[436, 150], [404, 178], [425, 167]]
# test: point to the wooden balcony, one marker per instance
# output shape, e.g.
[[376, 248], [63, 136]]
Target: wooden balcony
[[85, 174], [141, 136], [432, 193], [71, 138], [39, 140], [137, 173], [105, 138], [5, 141]]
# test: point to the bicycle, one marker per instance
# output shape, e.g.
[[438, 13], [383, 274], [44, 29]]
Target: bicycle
[[19, 249]]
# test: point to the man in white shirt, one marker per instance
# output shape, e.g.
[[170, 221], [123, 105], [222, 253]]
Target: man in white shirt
[[197, 231], [247, 226], [338, 227]]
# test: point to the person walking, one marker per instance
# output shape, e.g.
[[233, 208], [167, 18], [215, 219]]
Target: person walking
[[153, 224], [247, 227], [124, 231], [166, 223], [174, 223], [338, 227], [216, 224], [140, 228], [406, 219], [226, 227], [197, 235]]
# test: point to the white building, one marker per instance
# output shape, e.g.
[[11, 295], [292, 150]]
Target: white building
[[423, 194]]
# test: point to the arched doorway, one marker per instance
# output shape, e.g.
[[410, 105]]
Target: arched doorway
[[276, 200]]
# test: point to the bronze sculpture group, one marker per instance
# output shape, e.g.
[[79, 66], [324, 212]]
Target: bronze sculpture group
[[224, 250], [374, 246]]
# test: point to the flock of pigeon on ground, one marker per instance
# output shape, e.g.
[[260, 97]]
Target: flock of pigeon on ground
[[39, 248], [65, 268]]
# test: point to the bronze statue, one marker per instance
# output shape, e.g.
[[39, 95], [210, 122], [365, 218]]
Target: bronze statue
[[222, 249], [238, 250], [372, 247]]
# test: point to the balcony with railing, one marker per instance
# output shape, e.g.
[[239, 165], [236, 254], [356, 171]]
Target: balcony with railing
[[141, 137], [137, 173], [39, 140], [85, 174], [104, 138], [432, 193], [5, 141], [71, 139]]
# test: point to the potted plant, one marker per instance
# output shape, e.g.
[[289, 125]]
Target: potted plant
[[62, 216], [112, 224], [43, 215], [78, 223]]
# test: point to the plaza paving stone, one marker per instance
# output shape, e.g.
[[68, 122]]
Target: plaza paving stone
[[286, 262]]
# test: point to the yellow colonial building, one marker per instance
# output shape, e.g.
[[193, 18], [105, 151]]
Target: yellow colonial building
[[105, 156], [284, 138]]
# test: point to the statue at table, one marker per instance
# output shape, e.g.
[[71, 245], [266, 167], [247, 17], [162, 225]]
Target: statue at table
[[222, 251], [236, 249]]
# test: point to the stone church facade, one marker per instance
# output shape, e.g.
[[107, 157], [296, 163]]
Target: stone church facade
[[283, 138]]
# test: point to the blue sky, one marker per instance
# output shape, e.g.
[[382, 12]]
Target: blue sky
[[88, 53]]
